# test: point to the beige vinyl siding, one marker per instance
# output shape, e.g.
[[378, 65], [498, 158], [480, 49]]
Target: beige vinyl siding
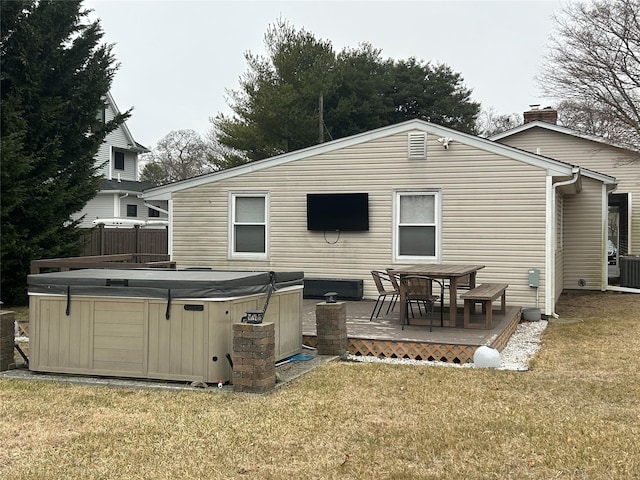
[[583, 237], [493, 210], [596, 156]]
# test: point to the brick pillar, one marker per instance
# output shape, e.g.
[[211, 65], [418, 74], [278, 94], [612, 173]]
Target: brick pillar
[[7, 339], [331, 327], [254, 362]]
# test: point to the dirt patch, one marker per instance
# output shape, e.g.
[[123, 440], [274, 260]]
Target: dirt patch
[[289, 371]]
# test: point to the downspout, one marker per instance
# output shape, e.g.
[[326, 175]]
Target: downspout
[[551, 283], [110, 169]]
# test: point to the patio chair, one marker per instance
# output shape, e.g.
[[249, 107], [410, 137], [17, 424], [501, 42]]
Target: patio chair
[[385, 288], [420, 288], [395, 281]]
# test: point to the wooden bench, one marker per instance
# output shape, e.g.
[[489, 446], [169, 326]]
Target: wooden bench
[[484, 294]]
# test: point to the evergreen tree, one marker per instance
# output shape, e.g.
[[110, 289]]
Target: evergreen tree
[[154, 173], [55, 75], [277, 108], [434, 94]]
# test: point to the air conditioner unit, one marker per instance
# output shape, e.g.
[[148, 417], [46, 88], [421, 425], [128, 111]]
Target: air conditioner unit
[[630, 271]]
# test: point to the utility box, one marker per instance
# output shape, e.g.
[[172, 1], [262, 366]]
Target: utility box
[[534, 277]]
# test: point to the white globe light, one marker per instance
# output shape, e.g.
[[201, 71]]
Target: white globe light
[[486, 357]]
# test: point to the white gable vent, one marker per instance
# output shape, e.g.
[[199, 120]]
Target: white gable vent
[[417, 145]]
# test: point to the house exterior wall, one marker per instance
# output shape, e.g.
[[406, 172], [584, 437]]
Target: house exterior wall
[[116, 140], [106, 204], [142, 210], [584, 232], [594, 156], [101, 206], [492, 211]]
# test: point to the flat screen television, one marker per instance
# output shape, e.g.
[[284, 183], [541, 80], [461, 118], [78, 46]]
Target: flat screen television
[[345, 212]]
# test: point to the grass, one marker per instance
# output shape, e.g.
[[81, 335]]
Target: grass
[[574, 415]]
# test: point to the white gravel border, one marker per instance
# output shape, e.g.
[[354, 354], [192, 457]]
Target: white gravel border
[[522, 346]]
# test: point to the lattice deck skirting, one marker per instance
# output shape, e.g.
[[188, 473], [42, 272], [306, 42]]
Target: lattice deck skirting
[[450, 353]]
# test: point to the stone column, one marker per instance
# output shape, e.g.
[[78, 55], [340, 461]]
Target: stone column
[[7, 339], [254, 363], [331, 328]]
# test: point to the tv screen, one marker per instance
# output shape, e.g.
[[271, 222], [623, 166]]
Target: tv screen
[[346, 212]]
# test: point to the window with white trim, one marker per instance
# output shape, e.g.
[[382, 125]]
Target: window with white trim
[[248, 225], [416, 225]]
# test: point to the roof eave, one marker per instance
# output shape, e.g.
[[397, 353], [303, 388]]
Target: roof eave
[[553, 166]]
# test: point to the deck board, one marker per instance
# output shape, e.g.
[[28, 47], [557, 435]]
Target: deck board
[[383, 336]]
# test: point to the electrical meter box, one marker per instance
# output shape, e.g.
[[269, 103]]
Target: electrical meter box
[[534, 277]]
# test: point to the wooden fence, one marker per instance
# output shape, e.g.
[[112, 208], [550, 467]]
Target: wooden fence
[[120, 261], [111, 241]]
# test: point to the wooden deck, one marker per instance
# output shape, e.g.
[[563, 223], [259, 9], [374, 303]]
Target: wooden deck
[[384, 337]]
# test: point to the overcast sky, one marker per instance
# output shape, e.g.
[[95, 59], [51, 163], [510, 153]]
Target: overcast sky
[[178, 58]]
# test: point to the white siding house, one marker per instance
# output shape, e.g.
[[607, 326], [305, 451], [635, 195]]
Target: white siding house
[[120, 196], [474, 202]]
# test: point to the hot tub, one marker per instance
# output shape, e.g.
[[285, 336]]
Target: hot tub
[[155, 324]]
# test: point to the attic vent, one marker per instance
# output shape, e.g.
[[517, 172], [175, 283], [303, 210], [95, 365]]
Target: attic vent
[[417, 145]]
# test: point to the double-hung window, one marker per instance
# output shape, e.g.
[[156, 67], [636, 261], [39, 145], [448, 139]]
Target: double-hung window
[[118, 158], [249, 225], [416, 226]]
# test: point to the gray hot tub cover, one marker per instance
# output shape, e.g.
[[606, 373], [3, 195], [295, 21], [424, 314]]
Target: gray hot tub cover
[[155, 283]]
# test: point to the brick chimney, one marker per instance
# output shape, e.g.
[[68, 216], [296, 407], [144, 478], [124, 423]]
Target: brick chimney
[[546, 114]]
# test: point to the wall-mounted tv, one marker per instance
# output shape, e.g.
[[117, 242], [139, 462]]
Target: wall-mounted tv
[[345, 212]]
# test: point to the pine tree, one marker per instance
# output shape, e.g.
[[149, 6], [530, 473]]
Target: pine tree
[[277, 107], [55, 75]]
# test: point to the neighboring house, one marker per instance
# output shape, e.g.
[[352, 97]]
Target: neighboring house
[[434, 195], [120, 195], [596, 153]]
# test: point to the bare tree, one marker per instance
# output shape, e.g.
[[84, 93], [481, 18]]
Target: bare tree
[[181, 154], [491, 123], [593, 69]]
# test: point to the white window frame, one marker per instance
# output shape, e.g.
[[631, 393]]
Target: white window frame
[[397, 257], [232, 224]]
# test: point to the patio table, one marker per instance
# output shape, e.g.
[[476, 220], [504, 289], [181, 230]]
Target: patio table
[[445, 271]]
